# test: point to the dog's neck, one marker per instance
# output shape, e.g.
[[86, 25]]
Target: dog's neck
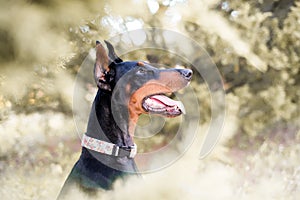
[[101, 124]]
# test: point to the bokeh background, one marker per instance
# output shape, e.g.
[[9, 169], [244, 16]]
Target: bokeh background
[[255, 45]]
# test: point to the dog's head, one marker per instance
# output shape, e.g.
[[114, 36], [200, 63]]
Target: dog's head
[[144, 87]]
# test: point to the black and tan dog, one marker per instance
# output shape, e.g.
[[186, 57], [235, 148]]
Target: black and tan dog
[[125, 90]]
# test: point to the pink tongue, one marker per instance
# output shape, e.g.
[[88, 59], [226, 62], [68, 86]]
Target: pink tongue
[[165, 100]]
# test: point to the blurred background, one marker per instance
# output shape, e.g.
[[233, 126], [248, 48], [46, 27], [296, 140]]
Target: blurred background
[[255, 45]]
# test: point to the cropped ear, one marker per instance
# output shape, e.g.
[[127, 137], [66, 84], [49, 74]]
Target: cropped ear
[[101, 67], [111, 53]]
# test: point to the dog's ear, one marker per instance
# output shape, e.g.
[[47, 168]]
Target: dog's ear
[[111, 53], [101, 68]]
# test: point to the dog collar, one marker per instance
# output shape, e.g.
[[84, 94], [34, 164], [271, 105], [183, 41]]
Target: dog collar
[[107, 147]]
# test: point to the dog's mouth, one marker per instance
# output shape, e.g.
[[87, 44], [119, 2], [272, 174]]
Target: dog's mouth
[[160, 104]]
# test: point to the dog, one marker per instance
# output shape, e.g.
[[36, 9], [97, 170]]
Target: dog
[[126, 89]]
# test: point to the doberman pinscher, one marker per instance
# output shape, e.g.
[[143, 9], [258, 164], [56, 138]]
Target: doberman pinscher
[[131, 88]]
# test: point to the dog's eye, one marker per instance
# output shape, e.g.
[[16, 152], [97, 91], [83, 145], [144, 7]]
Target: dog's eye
[[142, 70]]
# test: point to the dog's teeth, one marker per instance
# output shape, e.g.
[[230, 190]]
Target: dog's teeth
[[148, 101], [181, 107]]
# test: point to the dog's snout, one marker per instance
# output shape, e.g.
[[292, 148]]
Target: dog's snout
[[187, 73]]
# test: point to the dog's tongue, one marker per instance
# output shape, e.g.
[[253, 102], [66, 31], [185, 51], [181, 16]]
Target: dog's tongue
[[169, 102]]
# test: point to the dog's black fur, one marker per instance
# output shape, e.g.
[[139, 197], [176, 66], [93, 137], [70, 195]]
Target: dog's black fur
[[123, 85]]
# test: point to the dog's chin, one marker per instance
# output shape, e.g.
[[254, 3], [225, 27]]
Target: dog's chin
[[160, 104]]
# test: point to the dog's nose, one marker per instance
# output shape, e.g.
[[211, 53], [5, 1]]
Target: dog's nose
[[187, 73]]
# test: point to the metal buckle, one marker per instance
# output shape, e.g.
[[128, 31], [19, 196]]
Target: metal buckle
[[117, 150], [133, 151], [130, 151]]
